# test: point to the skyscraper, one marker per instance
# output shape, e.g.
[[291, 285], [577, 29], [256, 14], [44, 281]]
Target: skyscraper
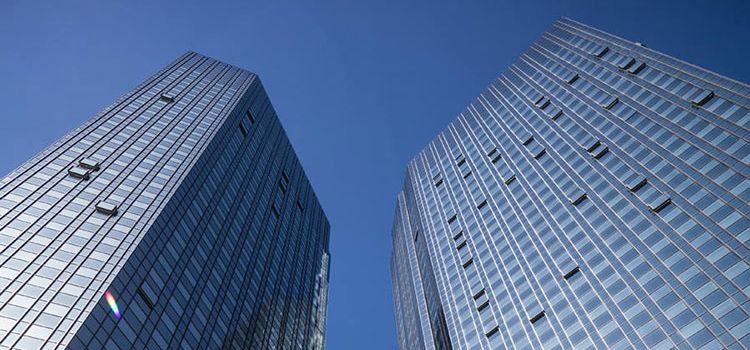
[[594, 196], [178, 217]]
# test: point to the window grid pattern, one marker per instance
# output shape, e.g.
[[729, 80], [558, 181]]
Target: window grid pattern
[[606, 205], [174, 221]]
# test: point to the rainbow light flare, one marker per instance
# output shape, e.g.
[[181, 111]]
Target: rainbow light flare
[[112, 303]]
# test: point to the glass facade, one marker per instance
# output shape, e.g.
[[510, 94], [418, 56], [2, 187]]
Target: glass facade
[[594, 196], [178, 217]]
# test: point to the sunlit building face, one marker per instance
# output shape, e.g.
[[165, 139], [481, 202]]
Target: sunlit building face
[[595, 195]]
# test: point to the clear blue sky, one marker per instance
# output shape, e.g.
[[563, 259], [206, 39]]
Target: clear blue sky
[[360, 86]]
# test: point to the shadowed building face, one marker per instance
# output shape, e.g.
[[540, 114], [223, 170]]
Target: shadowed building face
[[179, 216]]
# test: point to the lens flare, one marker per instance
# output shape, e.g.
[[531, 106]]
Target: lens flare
[[112, 303]]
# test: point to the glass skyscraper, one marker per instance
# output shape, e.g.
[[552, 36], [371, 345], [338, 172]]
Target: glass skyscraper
[[178, 217], [594, 196]]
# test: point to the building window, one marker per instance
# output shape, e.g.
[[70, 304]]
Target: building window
[[543, 103], [540, 153], [452, 218], [591, 144], [497, 158], [627, 62], [284, 181], [600, 51], [659, 203], [527, 139], [608, 102], [524, 136], [538, 316], [438, 179], [79, 173], [510, 179], [167, 98], [250, 117], [636, 183], [703, 97], [481, 299], [106, 208], [482, 204], [275, 211], [243, 129], [571, 273], [88, 163], [148, 295], [536, 150], [577, 197], [461, 244], [538, 98], [483, 305], [492, 331], [636, 68], [599, 151], [570, 77], [494, 155], [468, 262], [460, 160], [458, 235], [554, 112], [299, 205]]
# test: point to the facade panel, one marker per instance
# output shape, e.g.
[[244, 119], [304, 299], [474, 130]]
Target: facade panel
[[594, 196], [177, 217]]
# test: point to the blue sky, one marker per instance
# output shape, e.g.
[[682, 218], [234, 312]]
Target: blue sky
[[360, 86]]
